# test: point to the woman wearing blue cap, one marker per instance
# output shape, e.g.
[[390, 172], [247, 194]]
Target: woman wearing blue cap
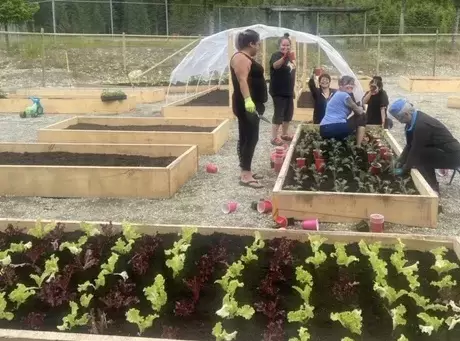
[[338, 121], [430, 145]]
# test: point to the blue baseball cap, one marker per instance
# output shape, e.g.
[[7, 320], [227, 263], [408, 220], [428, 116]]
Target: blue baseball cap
[[398, 107]]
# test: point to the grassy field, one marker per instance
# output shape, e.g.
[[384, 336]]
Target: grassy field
[[94, 60]]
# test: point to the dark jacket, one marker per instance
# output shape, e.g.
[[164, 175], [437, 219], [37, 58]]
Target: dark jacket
[[427, 132], [320, 101]]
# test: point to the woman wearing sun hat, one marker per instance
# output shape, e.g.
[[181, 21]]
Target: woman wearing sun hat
[[429, 144]]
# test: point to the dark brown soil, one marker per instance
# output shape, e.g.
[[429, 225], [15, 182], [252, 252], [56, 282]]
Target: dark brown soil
[[216, 98], [74, 159], [181, 128], [306, 100], [335, 288]]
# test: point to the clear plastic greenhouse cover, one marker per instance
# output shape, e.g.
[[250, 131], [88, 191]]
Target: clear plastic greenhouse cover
[[210, 56]]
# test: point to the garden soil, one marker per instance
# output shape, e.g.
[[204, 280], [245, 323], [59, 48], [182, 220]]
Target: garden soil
[[76, 159], [216, 98], [172, 128]]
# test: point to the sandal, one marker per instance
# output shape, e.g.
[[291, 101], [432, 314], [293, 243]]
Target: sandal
[[277, 142], [287, 137], [251, 183], [257, 176]]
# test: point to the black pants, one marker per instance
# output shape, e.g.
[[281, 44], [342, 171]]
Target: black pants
[[432, 159], [284, 109], [248, 127]]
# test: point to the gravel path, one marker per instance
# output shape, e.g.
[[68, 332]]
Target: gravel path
[[198, 202]]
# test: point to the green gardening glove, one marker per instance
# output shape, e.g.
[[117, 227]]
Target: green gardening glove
[[249, 105]]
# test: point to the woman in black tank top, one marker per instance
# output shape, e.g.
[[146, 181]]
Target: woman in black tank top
[[249, 96]]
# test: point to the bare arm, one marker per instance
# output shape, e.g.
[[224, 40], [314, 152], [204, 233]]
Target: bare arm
[[242, 66], [353, 106], [279, 63], [383, 113], [367, 97]]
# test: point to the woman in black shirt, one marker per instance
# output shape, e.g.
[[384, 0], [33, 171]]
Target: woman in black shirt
[[377, 103], [320, 95], [249, 96], [282, 79]]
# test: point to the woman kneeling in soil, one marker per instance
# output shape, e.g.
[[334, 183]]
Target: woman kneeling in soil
[[337, 122], [430, 145], [320, 95], [249, 96], [282, 78]]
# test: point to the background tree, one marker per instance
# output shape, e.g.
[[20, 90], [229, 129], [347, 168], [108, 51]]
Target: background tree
[[16, 12]]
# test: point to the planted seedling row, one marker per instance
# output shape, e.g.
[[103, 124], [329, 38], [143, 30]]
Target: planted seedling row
[[340, 166], [224, 287]]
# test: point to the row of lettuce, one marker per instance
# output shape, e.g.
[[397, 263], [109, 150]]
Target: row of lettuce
[[231, 281]]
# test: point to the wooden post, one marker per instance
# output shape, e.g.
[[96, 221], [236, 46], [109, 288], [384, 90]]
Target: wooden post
[[231, 50], [294, 49], [378, 53], [365, 29], [318, 63], [435, 52], [304, 66], [42, 31], [124, 51]]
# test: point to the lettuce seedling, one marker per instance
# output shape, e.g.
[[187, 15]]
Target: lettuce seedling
[[5, 258], [123, 247], [431, 323], [399, 262], [341, 255], [442, 265], [221, 335], [304, 335], [21, 294], [4, 315], [445, 283], [389, 293], [156, 293], [230, 307], [40, 230], [351, 320], [142, 322], [85, 299], [397, 316], [319, 257], [425, 304], [71, 320], [90, 230], [176, 262], [51, 268], [75, 248], [107, 269], [403, 338], [250, 255]]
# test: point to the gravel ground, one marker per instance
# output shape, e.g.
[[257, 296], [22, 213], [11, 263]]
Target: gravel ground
[[198, 202]]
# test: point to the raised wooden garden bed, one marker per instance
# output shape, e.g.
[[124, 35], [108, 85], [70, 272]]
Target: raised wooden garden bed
[[208, 134], [279, 283], [62, 104], [453, 102], [143, 95], [303, 107], [210, 103], [303, 193], [95, 170], [429, 84]]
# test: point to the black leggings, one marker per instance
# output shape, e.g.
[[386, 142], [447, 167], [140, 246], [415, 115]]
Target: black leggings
[[432, 159], [248, 127]]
